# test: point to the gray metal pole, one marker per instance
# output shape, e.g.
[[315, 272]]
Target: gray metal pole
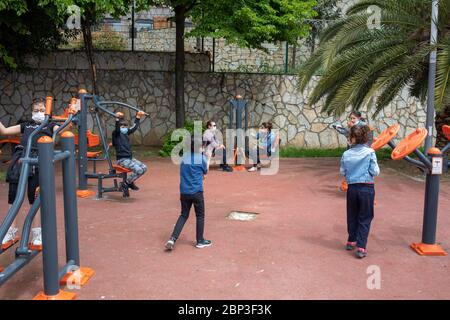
[[432, 76], [430, 209], [48, 216], [82, 145], [132, 26], [70, 199]]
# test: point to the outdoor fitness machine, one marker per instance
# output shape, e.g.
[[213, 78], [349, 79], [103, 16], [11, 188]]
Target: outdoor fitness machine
[[114, 171], [70, 273], [434, 163], [238, 120]]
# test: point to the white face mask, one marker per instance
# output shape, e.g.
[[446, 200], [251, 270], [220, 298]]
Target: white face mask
[[124, 130], [38, 117]]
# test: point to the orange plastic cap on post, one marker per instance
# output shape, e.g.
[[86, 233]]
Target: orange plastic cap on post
[[67, 134], [434, 151], [48, 105], [446, 130], [45, 139], [409, 144], [385, 137]]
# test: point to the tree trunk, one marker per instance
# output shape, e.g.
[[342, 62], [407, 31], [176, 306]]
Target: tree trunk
[[180, 13], [88, 46], [442, 118]]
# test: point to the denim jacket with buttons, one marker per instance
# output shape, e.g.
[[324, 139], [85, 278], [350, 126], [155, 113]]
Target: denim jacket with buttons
[[359, 165]]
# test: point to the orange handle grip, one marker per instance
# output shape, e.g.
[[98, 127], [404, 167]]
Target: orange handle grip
[[48, 105]]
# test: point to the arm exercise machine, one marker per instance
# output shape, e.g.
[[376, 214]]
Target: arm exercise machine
[[434, 164], [47, 157]]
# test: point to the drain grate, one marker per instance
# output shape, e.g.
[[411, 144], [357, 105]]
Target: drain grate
[[242, 215]]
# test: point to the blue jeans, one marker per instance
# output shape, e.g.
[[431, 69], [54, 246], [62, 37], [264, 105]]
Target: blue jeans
[[360, 212]]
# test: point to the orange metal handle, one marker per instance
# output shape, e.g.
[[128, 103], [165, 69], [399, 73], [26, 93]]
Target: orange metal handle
[[48, 105], [446, 130]]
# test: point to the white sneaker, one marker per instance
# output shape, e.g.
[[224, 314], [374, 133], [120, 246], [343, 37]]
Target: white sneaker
[[10, 235], [36, 239], [170, 244], [252, 169]]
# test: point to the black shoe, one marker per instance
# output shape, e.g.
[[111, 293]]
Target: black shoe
[[132, 186], [124, 188], [203, 244], [227, 168], [361, 253]]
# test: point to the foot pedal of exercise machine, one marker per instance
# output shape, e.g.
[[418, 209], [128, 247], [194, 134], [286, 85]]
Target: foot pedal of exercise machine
[[77, 277], [10, 243], [34, 247], [62, 295], [85, 193]]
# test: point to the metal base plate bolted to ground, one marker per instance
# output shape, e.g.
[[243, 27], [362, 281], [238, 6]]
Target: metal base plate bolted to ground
[[242, 216]]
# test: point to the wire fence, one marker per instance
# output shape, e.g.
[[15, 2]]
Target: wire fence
[[158, 35]]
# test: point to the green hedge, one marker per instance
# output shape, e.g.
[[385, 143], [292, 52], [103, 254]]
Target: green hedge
[[168, 144]]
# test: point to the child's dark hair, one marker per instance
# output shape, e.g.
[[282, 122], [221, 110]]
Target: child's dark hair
[[37, 100], [356, 114], [360, 134], [268, 126], [208, 124]]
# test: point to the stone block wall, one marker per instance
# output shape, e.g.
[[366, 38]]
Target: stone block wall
[[138, 78]]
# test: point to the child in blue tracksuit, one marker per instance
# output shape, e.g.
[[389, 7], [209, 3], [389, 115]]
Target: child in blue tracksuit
[[359, 166], [193, 170]]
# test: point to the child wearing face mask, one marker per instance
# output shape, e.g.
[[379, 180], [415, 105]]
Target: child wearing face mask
[[12, 177], [212, 145], [266, 141], [124, 154]]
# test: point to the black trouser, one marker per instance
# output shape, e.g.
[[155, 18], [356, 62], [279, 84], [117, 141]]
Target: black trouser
[[199, 205], [32, 185], [360, 199], [258, 160]]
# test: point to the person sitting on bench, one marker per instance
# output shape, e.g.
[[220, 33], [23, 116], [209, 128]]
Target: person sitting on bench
[[124, 154]]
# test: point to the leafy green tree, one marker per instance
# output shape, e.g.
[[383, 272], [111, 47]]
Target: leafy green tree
[[30, 26], [327, 12], [92, 11], [363, 66], [247, 23]]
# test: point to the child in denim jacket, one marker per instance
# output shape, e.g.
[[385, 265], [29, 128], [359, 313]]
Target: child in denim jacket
[[359, 166]]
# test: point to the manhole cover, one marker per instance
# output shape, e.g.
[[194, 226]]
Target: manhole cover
[[242, 216]]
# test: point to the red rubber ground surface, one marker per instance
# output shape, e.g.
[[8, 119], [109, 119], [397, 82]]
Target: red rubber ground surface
[[293, 250]]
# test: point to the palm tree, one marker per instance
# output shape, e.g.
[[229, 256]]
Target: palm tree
[[364, 66]]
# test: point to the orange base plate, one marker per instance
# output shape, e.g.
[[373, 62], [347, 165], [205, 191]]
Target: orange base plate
[[33, 247], [85, 193], [62, 295], [428, 249], [9, 244], [239, 168], [80, 276]]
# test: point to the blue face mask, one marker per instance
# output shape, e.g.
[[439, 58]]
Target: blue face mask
[[124, 130]]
